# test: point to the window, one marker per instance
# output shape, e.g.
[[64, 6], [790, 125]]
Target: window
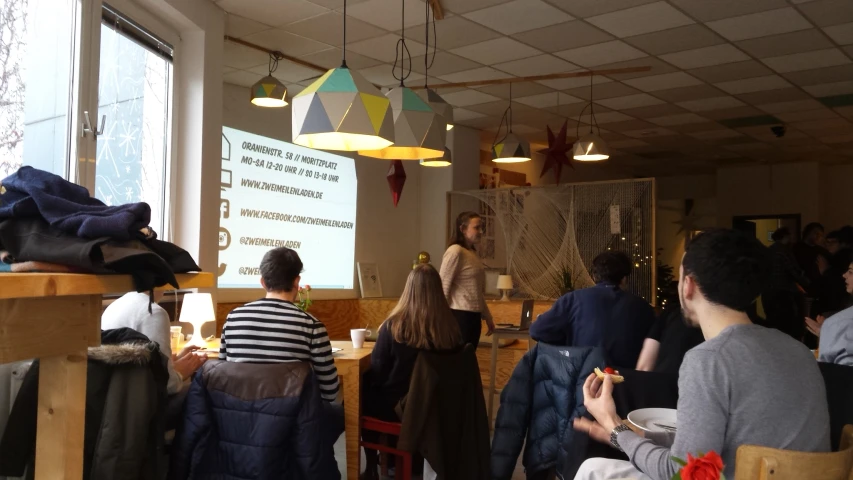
[[38, 59], [134, 101]]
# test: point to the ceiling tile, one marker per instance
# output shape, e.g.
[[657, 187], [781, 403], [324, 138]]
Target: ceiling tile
[[829, 89], [649, 18], [519, 16], [792, 106], [497, 50], [762, 24], [807, 60], [843, 138], [228, 69], [385, 47], [724, 114], [757, 84], [270, 12], [680, 119], [287, 72], [630, 101], [649, 132], [476, 74], [444, 63], [715, 134], [465, 6], [607, 90], [821, 75], [684, 94], [663, 82], [381, 75], [239, 56], [335, 4], [569, 83], [563, 36], [547, 100], [653, 65], [653, 111], [826, 124], [825, 13], [453, 32], [842, 34], [293, 45], [386, 14], [522, 89], [676, 39], [326, 28], [468, 97], [772, 96], [707, 11], [589, 8], [786, 44], [821, 114], [331, 58], [706, 56], [241, 77], [238, 27], [630, 125], [697, 127], [602, 118], [731, 71], [539, 65], [713, 103], [462, 114], [631, 143], [600, 54]]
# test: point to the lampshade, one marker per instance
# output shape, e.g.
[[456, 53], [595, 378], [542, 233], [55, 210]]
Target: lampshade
[[591, 148], [439, 105], [418, 131], [342, 111], [504, 282], [269, 92], [197, 309], [512, 149], [444, 161]]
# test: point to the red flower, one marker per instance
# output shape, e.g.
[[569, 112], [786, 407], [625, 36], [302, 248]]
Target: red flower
[[709, 467]]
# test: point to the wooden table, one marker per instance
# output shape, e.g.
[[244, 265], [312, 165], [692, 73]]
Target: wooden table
[[351, 364], [496, 336], [55, 317]]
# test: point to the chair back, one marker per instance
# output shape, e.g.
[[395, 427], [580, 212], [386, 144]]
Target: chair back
[[764, 463]]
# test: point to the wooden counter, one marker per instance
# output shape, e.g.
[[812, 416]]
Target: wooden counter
[[55, 317]]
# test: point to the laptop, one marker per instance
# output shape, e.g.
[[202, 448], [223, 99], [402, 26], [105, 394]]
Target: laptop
[[526, 318]]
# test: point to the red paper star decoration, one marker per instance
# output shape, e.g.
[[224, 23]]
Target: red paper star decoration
[[396, 179], [556, 153]]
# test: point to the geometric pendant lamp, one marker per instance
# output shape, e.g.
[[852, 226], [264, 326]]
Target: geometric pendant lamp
[[269, 92], [418, 132], [444, 161], [342, 111], [439, 105]]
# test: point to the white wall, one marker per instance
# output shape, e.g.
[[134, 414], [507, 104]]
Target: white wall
[[387, 235], [835, 185]]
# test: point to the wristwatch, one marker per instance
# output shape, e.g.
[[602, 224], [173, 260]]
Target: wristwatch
[[615, 433]]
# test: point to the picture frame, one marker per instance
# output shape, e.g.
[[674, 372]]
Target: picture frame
[[369, 280]]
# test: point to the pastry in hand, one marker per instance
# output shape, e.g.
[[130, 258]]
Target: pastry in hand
[[614, 374]]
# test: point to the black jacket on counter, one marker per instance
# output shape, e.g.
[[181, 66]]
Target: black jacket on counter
[[252, 421], [125, 405], [444, 415]]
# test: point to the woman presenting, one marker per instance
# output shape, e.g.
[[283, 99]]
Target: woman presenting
[[463, 278]]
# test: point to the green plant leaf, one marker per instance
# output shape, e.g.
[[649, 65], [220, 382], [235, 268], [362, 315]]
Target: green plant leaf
[[677, 476], [679, 461]]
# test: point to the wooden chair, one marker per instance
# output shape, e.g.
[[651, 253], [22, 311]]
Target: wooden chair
[[403, 470], [763, 463]]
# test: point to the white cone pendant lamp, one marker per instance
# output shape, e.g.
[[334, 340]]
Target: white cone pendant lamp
[[511, 148], [342, 111], [444, 161], [590, 147]]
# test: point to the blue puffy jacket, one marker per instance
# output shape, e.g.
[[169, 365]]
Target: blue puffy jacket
[[252, 421], [538, 404]]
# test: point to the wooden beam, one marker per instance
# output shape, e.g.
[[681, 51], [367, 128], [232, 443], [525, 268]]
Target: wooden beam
[[536, 78], [437, 10]]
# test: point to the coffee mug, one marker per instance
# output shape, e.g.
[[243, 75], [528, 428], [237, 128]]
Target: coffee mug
[[358, 335]]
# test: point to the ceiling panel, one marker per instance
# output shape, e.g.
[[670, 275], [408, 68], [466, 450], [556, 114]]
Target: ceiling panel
[[663, 82], [785, 44], [442, 63], [606, 90], [538, 65], [762, 24], [630, 101], [712, 103], [731, 71], [825, 13], [384, 48], [237, 26], [841, 34], [453, 32], [602, 53], [501, 49], [294, 45], [327, 28], [706, 57], [563, 36], [707, 11], [519, 16], [270, 12], [678, 39], [684, 94], [807, 60], [468, 97], [652, 17], [331, 58], [757, 84]]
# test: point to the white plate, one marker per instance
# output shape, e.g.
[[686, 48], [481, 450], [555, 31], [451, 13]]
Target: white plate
[[647, 418], [335, 349]]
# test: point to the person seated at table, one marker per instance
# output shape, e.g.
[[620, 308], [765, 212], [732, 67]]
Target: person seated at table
[[667, 342], [273, 329], [605, 315], [836, 332], [421, 321], [746, 384]]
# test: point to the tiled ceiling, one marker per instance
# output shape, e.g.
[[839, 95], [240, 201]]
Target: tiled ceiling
[[722, 71]]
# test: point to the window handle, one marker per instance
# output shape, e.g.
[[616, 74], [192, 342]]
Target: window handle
[[87, 125]]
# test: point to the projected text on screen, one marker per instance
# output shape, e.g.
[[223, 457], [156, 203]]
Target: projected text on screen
[[276, 194]]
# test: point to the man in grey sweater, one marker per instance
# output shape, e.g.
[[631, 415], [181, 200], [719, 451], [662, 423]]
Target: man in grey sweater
[[745, 385]]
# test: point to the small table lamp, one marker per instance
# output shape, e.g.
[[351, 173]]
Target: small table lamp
[[197, 309], [505, 284]]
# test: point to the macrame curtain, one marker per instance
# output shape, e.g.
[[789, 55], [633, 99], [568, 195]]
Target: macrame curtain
[[547, 236]]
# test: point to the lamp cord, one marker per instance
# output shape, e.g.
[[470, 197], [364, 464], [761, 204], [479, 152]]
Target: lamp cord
[[273, 62], [344, 47], [592, 120], [428, 64], [402, 51]]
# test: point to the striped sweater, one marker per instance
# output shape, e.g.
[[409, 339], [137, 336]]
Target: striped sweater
[[272, 331]]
